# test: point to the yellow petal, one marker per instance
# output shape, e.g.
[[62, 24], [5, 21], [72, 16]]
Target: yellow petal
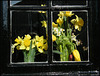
[[27, 48], [40, 50], [53, 38], [60, 21], [27, 42], [39, 44], [61, 14], [37, 37], [45, 46], [76, 55], [69, 13], [44, 24], [17, 40], [27, 36], [54, 25], [81, 22], [73, 21], [22, 47], [76, 27]]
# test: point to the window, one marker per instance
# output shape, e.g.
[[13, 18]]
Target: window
[[38, 20], [48, 36]]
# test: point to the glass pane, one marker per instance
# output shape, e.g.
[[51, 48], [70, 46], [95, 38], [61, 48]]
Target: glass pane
[[69, 2], [29, 36], [28, 2], [70, 35]]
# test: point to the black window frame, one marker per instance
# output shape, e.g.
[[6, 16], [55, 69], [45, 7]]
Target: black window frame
[[49, 10], [51, 66]]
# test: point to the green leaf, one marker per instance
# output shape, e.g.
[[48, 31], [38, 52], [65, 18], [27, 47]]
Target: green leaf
[[57, 52], [31, 55], [25, 55]]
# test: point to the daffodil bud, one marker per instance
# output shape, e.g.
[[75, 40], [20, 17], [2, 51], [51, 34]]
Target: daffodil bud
[[76, 55], [53, 38]]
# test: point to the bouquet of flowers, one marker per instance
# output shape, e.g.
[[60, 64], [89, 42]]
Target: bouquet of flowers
[[63, 34], [63, 37]]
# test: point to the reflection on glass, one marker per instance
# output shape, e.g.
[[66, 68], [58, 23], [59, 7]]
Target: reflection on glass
[[29, 36], [28, 2], [69, 2], [69, 29]]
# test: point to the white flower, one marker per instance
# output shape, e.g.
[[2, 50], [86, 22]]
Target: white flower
[[73, 37], [59, 33], [55, 30], [61, 30], [78, 42]]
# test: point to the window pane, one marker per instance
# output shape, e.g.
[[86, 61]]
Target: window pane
[[69, 2], [70, 40], [29, 36], [28, 2]]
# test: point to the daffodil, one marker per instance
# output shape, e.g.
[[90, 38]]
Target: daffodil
[[44, 24], [22, 46], [43, 5], [42, 11], [61, 14], [54, 25], [27, 36], [41, 43], [76, 55], [27, 42], [78, 22], [69, 13], [53, 38], [60, 21], [18, 40], [45, 46]]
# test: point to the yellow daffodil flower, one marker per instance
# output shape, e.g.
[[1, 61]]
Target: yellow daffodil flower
[[27, 36], [78, 23], [53, 38], [42, 11], [45, 46], [42, 4], [54, 25], [69, 13], [41, 43], [61, 14], [27, 42], [44, 24], [60, 21], [76, 55], [22, 46], [18, 40]]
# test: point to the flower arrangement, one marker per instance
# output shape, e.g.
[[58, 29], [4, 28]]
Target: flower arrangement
[[30, 46], [63, 38]]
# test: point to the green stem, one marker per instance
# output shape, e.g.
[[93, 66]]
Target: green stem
[[66, 54], [31, 55], [25, 56], [61, 57]]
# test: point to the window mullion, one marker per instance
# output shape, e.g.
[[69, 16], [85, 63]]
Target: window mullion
[[49, 34]]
